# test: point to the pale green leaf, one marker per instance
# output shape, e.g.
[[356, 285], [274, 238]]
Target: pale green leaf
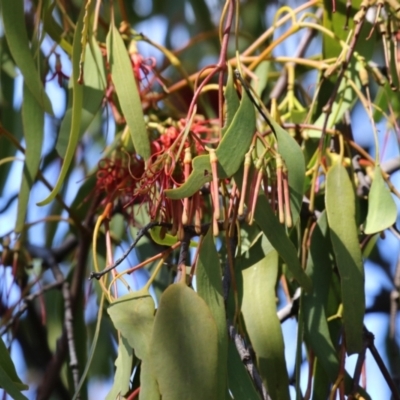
[[263, 325], [133, 316], [184, 346], [123, 365], [382, 210]]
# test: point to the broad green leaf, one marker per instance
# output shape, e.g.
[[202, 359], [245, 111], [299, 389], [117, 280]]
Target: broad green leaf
[[184, 346], [316, 330], [382, 210], [133, 316], [294, 161], [127, 91], [340, 207], [33, 120], [123, 365], [8, 369], [240, 384], [263, 326], [17, 38], [93, 94], [209, 287], [230, 152], [261, 72], [276, 235], [77, 105], [148, 384]]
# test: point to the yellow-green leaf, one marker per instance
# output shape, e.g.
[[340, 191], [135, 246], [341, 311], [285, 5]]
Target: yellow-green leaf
[[127, 91], [382, 210], [340, 208], [77, 104], [184, 346], [17, 38]]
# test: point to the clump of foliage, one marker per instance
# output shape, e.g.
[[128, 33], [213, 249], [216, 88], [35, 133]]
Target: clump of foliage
[[231, 181]]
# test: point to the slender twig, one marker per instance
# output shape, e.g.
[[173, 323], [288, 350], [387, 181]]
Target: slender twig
[[305, 41], [245, 356], [378, 359], [291, 309], [25, 302]]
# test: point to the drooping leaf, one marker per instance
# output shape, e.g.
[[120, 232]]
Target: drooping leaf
[[9, 375], [263, 325], [209, 287], [123, 365], [382, 210], [33, 120], [295, 164], [231, 101], [77, 104], [92, 96], [340, 208], [127, 91], [133, 316], [230, 152], [276, 234], [319, 269], [184, 346], [17, 38]]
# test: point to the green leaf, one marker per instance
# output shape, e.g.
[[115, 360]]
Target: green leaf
[[33, 121], [93, 94], [209, 287], [382, 210], [276, 234], [294, 161], [77, 105], [17, 38], [123, 372], [127, 92], [340, 207], [133, 316], [263, 326], [231, 101], [316, 330], [8, 375], [240, 384], [184, 346], [148, 384], [230, 152]]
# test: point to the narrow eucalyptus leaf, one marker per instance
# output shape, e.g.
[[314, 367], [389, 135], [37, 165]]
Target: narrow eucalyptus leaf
[[33, 122], [209, 287], [263, 325], [276, 235], [340, 208], [17, 39], [127, 91]]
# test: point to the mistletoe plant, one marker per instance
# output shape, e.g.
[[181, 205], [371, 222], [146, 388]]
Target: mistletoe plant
[[232, 182]]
